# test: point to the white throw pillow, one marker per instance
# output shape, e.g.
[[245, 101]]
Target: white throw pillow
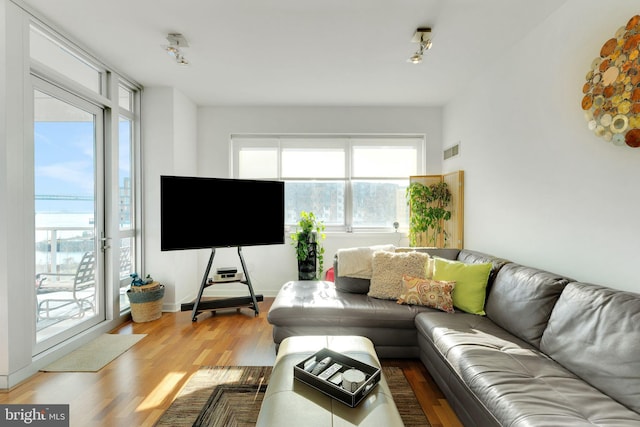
[[357, 262]]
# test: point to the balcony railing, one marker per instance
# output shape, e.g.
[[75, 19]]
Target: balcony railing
[[59, 249]]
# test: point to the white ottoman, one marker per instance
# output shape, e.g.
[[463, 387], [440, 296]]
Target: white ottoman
[[290, 402]]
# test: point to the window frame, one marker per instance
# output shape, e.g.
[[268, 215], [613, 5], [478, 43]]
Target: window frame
[[54, 76], [346, 142], [107, 98]]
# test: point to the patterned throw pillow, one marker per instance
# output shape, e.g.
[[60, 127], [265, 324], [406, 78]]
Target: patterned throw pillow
[[427, 292]]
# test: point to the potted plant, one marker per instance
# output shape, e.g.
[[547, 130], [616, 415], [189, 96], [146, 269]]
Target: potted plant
[[428, 212], [145, 298], [309, 250]]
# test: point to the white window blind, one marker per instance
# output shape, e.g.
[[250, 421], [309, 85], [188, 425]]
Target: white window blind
[[350, 182]]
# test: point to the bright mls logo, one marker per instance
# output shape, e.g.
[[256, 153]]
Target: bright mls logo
[[34, 415]]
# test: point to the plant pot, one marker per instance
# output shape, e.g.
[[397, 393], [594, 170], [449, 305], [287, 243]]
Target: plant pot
[[307, 267], [146, 302]]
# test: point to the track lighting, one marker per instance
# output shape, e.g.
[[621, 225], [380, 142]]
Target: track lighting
[[176, 43], [422, 36]]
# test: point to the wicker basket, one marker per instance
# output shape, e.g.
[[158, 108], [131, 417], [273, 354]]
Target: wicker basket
[[146, 288], [146, 302]]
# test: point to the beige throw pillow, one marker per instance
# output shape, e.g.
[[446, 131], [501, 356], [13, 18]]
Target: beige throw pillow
[[388, 268]]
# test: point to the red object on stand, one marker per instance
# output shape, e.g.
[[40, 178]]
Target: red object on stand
[[329, 275]]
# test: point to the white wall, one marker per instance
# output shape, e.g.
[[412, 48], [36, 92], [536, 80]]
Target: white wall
[[4, 203], [169, 148], [17, 323], [540, 188], [272, 266]]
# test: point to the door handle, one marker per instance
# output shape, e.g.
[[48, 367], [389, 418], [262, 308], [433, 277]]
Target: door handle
[[104, 243]]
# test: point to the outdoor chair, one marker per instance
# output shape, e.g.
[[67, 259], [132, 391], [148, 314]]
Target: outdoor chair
[[56, 298]]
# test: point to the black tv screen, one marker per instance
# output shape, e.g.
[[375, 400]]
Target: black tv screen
[[197, 213]]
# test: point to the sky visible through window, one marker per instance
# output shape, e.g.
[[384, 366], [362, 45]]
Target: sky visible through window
[[64, 166]]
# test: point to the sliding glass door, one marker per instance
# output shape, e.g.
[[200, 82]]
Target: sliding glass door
[[69, 213]]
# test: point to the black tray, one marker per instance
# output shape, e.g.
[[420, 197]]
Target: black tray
[[352, 399]]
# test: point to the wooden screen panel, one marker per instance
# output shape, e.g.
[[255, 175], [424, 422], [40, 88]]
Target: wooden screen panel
[[455, 226]]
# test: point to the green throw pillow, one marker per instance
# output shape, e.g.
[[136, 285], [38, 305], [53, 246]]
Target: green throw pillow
[[471, 283]]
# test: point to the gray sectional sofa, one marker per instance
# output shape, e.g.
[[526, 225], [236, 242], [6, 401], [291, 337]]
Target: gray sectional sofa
[[549, 352]]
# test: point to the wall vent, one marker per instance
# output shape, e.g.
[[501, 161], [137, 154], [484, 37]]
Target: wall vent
[[452, 151]]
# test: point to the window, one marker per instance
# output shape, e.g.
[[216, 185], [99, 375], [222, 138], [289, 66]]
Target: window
[[125, 98], [86, 185], [53, 53], [349, 182], [127, 137]]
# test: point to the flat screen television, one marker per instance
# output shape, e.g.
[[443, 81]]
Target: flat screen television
[[198, 213]]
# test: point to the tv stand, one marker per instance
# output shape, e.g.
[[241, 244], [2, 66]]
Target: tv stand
[[200, 305]]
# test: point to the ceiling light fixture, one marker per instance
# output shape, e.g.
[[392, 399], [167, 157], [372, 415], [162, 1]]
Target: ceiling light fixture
[[176, 43], [422, 36]]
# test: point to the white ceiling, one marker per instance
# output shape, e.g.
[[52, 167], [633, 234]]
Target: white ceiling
[[299, 52]]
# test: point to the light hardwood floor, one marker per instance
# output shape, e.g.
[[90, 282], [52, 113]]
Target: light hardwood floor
[[137, 387]]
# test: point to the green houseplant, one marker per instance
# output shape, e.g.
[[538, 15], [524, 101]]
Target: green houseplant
[[428, 212], [308, 243]]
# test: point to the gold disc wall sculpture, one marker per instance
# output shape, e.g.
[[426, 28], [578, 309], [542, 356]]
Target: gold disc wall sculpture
[[611, 99]]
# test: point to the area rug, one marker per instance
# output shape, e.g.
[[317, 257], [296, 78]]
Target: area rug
[[226, 396], [94, 355]]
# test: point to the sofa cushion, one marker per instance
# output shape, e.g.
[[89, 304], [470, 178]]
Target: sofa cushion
[[310, 307], [319, 304], [427, 292], [594, 332], [349, 284], [447, 253], [471, 283], [474, 257], [518, 384], [521, 300], [388, 268]]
